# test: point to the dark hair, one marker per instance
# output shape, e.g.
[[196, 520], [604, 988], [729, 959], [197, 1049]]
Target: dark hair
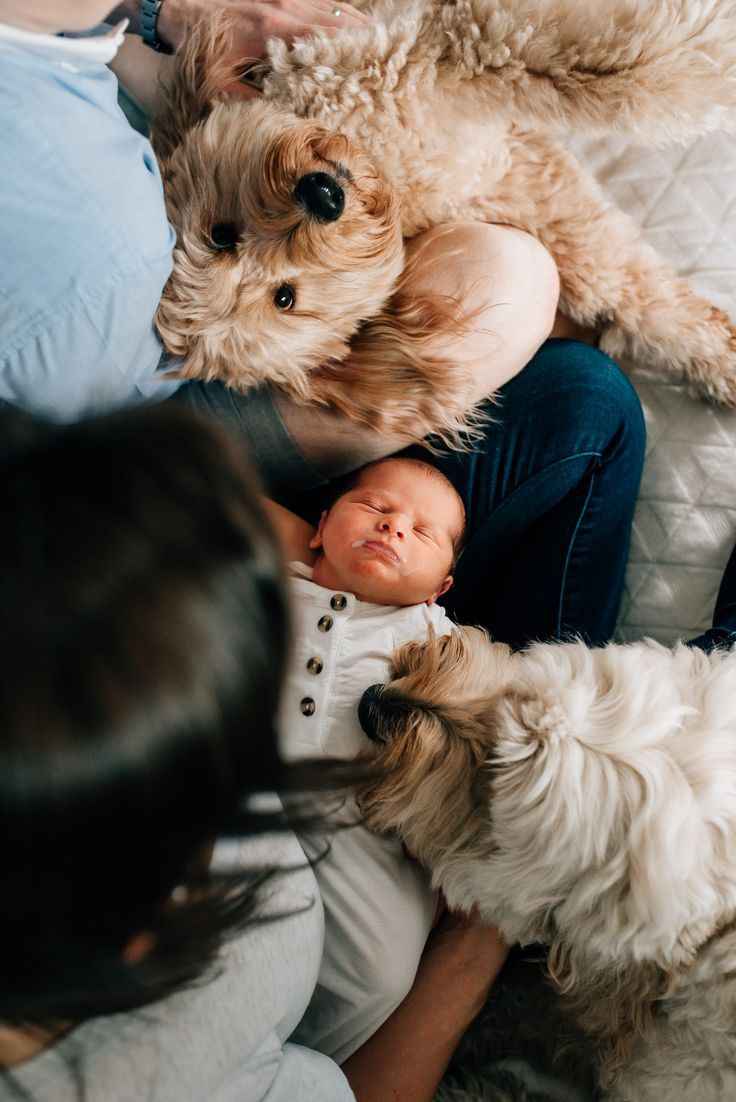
[[144, 636]]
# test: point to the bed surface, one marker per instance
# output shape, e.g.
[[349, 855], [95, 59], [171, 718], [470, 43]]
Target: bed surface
[[685, 523]]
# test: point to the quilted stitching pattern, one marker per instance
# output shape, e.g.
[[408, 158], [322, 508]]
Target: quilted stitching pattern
[[685, 523]]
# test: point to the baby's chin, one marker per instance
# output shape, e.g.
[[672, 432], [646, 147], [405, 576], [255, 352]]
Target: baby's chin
[[387, 591], [370, 578], [377, 591], [375, 579]]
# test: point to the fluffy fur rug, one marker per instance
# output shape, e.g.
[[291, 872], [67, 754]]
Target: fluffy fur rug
[[291, 212], [522, 1048]]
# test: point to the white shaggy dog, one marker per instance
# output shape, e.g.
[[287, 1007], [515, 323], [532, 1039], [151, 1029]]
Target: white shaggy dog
[[584, 799]]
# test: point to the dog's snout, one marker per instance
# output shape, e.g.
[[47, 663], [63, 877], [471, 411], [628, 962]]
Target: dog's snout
[[368, 714], [321, 195]]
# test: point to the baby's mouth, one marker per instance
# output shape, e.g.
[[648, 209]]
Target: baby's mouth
[[382, 550]]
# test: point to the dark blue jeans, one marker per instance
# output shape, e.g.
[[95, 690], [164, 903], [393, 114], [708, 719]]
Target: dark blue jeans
[[723, 633], [549, 494]]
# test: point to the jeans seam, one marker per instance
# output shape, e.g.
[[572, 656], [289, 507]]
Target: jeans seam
[[530, 478], [559, 462], [572, 539]]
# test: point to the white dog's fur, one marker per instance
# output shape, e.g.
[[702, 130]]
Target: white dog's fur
[[584, 799], [434, 112]]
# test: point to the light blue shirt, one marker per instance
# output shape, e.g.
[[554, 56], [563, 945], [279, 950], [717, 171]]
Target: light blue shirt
[[85, 247]]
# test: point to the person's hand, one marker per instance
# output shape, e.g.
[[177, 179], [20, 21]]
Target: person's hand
[[255, 21]]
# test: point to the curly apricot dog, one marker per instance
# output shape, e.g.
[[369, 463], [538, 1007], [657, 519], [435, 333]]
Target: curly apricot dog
[[291, 210]]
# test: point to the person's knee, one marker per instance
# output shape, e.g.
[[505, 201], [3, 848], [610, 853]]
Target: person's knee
[[608, 395], [386, 954], [529, 271], [391, 970], [508, 288], [581, 386]]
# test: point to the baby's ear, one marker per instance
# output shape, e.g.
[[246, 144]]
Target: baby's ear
[[316, 541], [441, 591]]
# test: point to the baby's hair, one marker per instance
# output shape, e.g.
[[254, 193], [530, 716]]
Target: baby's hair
[[349, 481]]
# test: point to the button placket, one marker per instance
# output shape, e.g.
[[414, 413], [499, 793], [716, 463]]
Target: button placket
[[317, 663]]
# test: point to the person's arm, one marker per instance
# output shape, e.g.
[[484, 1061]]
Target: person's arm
[[141, 71], [407, 1056], [292, 532], [508, 286]]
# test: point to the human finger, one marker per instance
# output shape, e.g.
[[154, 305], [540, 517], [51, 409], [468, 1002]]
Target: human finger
[[292, 19]]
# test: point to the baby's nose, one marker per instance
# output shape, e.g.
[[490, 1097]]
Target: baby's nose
[[395, 525]]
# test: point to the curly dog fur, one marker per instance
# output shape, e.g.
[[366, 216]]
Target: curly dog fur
[[584, 799], [435, 112]]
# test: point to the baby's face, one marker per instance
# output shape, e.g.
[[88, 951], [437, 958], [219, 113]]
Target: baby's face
[[390, 539]]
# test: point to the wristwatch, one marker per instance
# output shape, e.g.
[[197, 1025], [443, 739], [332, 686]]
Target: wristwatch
[[149, 26]]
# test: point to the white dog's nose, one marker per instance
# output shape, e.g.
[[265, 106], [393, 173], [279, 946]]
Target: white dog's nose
[[321, 195]]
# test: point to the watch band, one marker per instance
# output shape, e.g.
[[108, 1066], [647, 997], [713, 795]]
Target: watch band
[[149, 25]]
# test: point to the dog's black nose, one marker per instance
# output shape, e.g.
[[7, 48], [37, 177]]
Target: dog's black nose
[[368, 714], [322, 196]]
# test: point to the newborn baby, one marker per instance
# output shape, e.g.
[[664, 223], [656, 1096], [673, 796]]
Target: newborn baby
[[363, 583]]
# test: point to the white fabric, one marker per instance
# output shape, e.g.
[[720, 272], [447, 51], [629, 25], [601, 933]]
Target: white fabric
[[71, 52], [355, 653], [685, 523], [378, 904], [222, 1042]]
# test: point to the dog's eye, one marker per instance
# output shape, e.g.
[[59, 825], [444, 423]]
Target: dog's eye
[[224, 236], [285, 297]]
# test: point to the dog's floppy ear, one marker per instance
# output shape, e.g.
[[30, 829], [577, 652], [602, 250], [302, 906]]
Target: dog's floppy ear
[[394, 380], [457, 667], [200, 73]]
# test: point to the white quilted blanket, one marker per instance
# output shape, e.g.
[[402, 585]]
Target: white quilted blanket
[[685, 524]]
